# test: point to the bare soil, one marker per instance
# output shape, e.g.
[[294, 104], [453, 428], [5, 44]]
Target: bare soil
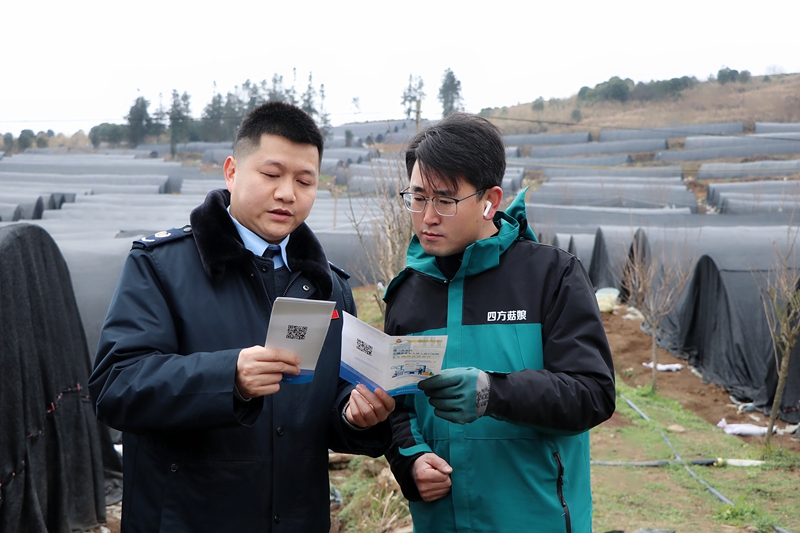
[[630, 347]]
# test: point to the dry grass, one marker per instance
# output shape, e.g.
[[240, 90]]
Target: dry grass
[[755, 101]]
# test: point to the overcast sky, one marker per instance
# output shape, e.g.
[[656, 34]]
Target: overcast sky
[[71, 65]]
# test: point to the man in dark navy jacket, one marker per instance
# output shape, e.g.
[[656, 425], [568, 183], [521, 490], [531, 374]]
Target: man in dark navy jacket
[[212, 440]]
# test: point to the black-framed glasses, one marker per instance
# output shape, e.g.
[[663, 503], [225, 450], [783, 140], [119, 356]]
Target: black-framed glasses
[[446, 206]]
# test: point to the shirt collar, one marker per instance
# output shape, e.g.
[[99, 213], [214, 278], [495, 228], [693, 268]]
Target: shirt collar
[[258, 246]]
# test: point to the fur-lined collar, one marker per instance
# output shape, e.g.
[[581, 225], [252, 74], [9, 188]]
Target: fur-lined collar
[[219, 244]]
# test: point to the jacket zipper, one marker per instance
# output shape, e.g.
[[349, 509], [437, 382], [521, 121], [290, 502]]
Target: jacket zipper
[[560, 490]]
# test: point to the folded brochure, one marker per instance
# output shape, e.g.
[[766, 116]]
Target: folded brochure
[[300, 326], [393, 363]]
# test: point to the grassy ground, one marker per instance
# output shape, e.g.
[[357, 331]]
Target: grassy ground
[[630, 498], [367, 307]]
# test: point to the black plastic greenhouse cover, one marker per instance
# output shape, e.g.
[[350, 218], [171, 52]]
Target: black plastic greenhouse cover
[[667, 132]]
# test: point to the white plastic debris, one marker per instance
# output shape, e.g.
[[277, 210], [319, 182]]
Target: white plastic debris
[[631, 313], [746, 430], [607, 299], [672, 367], [739, 462]]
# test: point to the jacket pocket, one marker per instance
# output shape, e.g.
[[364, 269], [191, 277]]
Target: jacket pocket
[[560, 491], [206, 495]]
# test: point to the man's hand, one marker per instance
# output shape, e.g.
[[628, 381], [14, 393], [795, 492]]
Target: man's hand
[[259, 370], [366, 408], [432, 476], [458, 395]]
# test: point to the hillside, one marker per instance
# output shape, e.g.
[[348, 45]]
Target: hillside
[[776, 100]]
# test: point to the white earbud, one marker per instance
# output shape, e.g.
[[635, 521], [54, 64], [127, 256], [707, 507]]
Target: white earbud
[[488, 206]]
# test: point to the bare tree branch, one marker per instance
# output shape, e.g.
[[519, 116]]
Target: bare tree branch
[[383, 226], [653, 279]]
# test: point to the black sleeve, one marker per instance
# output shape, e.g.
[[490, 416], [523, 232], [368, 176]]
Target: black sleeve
[[140, 383], [373, 441], [402, 437], [575, 391]]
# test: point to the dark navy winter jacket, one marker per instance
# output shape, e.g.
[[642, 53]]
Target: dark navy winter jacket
[[195, 458]]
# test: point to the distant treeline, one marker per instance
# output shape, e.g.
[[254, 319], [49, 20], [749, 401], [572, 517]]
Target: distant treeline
[[623, 90], [218, 122], [219, 119]]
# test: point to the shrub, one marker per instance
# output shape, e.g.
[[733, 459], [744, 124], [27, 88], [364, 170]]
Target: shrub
[[744, 76], [726, 74], [576, 115], [42, 140], [25, 140], [538, 104], [662, 89], [613, 89], [8, 142]]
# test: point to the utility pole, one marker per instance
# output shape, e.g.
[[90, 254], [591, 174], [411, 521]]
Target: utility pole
[[419, 111]]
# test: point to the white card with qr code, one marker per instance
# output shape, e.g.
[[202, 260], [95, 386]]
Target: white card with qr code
[[300, 326]]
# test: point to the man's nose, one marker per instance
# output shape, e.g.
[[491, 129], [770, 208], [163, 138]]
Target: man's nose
[[284, 189], [429, 213]]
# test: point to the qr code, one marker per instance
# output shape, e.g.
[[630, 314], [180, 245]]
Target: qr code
[[363, 346], [297, 333]]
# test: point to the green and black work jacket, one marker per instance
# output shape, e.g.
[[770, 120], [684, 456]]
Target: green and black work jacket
[[526, 313]]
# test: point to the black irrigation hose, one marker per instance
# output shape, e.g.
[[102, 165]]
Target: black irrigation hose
[[698, 462], [685, 464]]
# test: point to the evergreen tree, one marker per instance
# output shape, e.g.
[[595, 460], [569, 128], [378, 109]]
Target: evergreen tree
[[8, 142], [25, 140], [213, 117], [291, 92], [252, 95], [277, 93], [450, 94], [139, 121], [178, 120], [324, 116], [234, 111], [159, 123], [411, 94], [307, 99]]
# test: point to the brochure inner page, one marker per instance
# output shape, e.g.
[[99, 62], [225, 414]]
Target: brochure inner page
[[393, 363]]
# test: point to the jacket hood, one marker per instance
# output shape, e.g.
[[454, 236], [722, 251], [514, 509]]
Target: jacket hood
[[219, 244], [480, 255]]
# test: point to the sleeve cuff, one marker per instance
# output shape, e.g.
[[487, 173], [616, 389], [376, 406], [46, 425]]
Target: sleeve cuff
[[238, 395], [347, 422]]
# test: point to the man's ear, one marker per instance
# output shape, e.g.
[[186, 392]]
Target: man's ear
[[229, 171], [495, 196]]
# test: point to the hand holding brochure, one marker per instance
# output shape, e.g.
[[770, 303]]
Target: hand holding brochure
[[300, 326], [393, 363]]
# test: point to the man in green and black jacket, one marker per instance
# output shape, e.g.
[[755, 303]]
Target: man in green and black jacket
[[499, 440]]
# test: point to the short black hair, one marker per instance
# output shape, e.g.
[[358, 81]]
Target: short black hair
[[277, 118], [461, 145]]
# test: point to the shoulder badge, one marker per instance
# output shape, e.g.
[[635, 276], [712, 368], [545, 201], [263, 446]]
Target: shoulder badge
[[162, 237], [339, 271]]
